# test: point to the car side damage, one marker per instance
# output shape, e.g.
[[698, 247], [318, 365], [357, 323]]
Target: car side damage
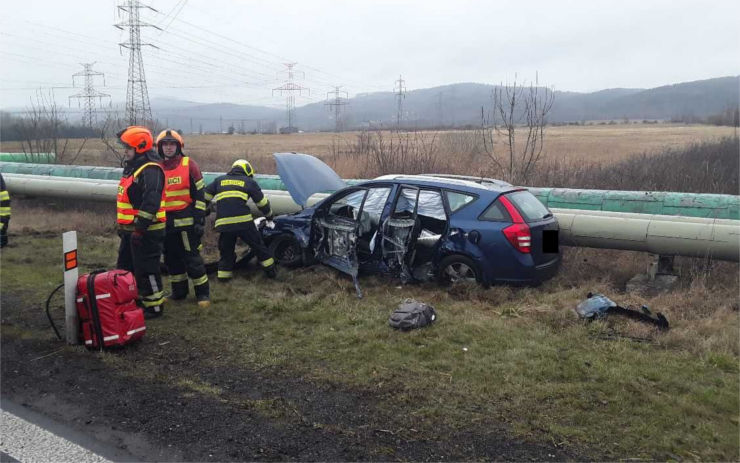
[[417, 228]]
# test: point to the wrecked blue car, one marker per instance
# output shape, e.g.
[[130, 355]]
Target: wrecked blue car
[[417, 227]]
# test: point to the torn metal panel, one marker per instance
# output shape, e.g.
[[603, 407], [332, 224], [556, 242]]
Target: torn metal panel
[[397, 241], [336, 246]]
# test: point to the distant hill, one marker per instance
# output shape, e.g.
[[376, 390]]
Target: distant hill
[[458, 105]]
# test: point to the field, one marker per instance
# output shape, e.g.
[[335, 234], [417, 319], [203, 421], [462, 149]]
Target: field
[[595, 144], [298, 368]]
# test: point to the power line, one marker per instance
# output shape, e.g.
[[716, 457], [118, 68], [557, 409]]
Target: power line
[[213, 46], [336, 103], [205, 59], [271, 62], [291, 88], [166, 70], [400, 90], [181, 5], [138, 109], [89, 95]]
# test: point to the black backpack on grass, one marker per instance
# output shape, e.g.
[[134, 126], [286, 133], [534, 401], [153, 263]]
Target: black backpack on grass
[[412, 314]]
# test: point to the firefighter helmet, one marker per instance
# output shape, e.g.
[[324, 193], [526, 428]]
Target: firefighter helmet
[[137, 137], [170, 135], [245, 165]]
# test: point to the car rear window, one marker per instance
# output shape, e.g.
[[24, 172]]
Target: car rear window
[[458, 200], [529, 206], [496, 213]]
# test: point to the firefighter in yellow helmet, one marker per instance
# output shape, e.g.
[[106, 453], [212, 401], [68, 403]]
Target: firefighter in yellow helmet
[[234, 220], [141, 216], [4, 212], [186, 208]]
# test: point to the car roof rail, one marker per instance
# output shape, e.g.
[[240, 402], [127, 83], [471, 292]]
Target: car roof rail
[[472, 178]]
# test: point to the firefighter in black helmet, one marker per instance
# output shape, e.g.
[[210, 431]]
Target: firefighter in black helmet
[[234, 219], [185, 207]]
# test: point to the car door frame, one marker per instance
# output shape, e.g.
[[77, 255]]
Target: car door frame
[[401, 264], [325, 234]]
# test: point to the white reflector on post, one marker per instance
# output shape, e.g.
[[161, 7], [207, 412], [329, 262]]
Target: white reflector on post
[[69, 248]]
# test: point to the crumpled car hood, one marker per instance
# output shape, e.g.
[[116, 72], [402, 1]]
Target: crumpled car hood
[[304, 175]]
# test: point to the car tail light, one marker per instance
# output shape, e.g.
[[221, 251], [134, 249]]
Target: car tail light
[[518, 234]]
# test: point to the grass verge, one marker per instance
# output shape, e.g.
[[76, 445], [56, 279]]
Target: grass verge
[[510, 358]]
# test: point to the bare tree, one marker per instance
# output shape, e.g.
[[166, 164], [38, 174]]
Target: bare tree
[[518, 117], [41, 131], [108, 131], [397, 152]]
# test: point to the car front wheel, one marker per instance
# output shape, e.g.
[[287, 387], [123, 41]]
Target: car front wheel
[[286, 250], [457, 269]]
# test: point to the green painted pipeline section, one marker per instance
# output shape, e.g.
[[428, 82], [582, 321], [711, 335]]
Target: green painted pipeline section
[[36, 158], [713, 206]]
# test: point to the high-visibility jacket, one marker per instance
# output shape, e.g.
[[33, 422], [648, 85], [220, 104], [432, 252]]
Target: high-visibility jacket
[[184, 185], [140, 200], [4, 206], [230, 192]]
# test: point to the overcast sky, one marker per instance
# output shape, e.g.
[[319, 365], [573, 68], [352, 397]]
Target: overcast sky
[[233, 50]]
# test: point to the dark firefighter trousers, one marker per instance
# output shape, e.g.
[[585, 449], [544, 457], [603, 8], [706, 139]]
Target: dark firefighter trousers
[[4, 234], [182, 258], [250, 236], [143, 262]]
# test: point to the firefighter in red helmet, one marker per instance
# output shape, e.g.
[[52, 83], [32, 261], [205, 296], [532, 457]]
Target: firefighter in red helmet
[[141, 216], [185, 207]]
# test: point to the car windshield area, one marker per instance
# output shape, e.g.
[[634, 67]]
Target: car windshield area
[[348, 206], [531, 209]]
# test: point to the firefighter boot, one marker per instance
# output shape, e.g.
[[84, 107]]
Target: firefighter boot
[[202, 291], [271, 271]]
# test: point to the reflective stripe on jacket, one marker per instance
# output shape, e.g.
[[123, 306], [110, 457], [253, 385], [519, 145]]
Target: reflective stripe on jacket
[[177, 186], [127, 212], [230, 193]]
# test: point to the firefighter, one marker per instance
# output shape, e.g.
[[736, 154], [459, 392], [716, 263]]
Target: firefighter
[[141, 216], [4, 212], [234, 220], [185, 207]]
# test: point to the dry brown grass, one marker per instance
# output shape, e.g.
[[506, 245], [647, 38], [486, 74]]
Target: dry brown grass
[[461, 149], [48, 217]]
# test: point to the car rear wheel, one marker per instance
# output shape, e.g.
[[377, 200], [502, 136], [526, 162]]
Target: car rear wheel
[[286, 250], [457, 269]]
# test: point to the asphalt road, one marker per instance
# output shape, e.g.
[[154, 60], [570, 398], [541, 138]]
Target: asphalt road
[[32, 437]]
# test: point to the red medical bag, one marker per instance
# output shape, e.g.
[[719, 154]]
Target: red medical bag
[[106, 305]]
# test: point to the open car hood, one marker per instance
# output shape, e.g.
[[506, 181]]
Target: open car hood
[[304, 175]]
